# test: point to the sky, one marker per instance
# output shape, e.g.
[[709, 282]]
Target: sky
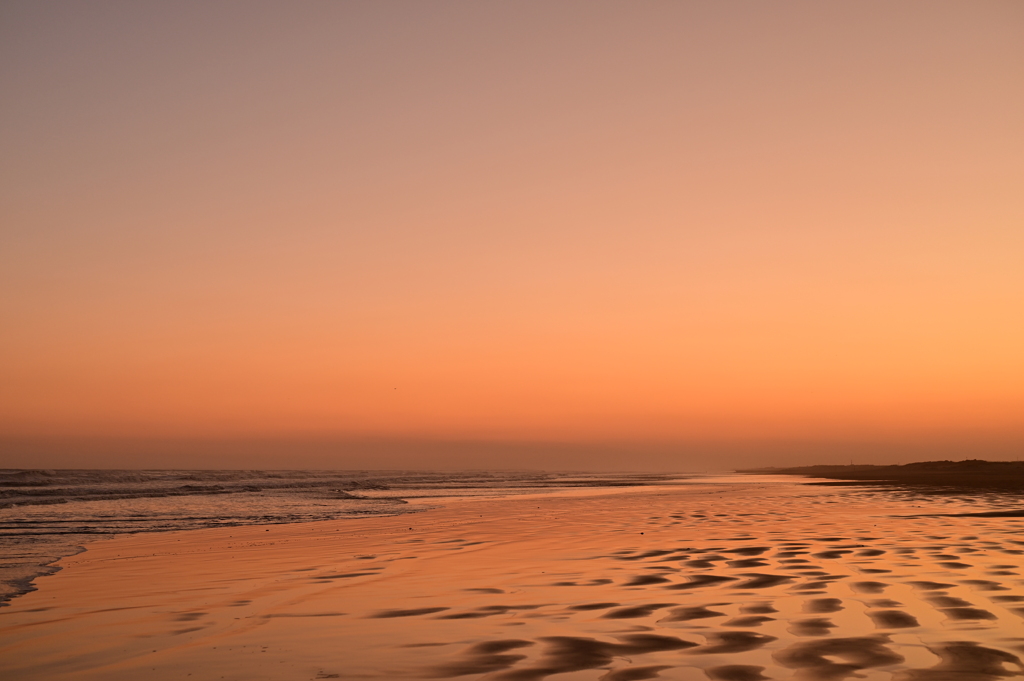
[[676, 235]]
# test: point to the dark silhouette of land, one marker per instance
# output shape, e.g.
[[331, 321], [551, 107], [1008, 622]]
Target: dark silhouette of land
[[938, 476]]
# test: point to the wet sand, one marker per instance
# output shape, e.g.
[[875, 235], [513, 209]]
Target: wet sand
[[730, 582]]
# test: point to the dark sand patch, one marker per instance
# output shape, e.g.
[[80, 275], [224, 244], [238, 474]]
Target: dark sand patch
[[189, 616], [893, 619], [347, 575], [566, 654], [869, 587], [949, 602], [733, 642], [823, 605], [645, 554], [635, 673], [810, 587], [761, 581], [930, 586], [736, 672], [643, 580], [482, 658], [593, 606], [966, 661], [636, 611], [984, 585], [814, 626], [748, 621], [749, 550], [968, 614], [385, 614], [487, 611], [984, 514], [811, 658], [757, 609], [686, 614], [699, 581], [747, 563]]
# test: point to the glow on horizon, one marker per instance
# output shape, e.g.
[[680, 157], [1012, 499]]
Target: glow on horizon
[[513, 221]]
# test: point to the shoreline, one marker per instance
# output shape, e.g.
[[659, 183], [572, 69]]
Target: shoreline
[[26, 581], [51, 514], [28, 584]]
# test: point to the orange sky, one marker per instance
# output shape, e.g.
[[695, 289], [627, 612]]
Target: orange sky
[[653, 224]]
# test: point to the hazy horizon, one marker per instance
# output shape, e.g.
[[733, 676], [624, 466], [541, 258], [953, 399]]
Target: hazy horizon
[[412, 454]]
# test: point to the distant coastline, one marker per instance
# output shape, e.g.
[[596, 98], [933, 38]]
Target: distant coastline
[[971, 474]]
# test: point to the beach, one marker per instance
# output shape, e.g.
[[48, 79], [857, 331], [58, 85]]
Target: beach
[[748, 578], [511, 341]]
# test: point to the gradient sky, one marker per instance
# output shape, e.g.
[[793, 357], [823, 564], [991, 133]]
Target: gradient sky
[[654, 224]]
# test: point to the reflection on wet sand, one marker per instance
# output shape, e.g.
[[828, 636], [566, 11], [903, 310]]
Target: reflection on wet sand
[[728, 582]]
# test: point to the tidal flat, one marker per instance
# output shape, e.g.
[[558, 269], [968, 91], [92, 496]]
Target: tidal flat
[[733, 578]]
